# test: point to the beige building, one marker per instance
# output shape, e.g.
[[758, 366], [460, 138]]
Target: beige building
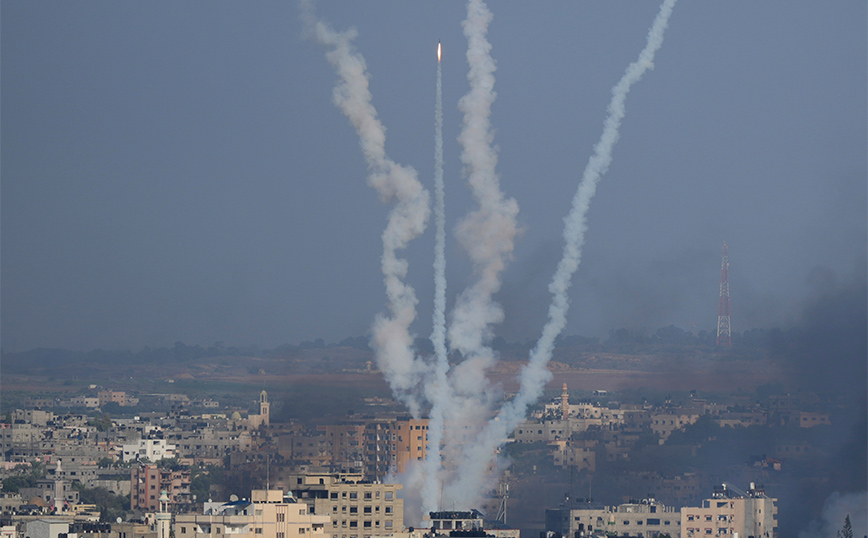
[[268, 514], [646, 518], [732, 515], [663, 424], [357, 508]]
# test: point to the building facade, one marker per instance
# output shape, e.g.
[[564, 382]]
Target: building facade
[[357, 508], [646, 518], [731, 514], [147, 481], [267, 514]]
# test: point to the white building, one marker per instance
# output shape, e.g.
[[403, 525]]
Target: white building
[[148, 450]]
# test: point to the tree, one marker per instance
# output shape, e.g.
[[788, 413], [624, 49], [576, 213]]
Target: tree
[[847, 531]]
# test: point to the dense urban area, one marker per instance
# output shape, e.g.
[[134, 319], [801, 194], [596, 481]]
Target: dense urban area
[[661, 434]]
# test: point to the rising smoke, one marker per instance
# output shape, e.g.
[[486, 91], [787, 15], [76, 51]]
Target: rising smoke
[[392, 341], [477, 457], [437, 389], [462, 398]]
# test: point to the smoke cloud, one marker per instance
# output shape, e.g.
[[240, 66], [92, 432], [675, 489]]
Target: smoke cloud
[[392, 340], [477, 459], [463, 430]]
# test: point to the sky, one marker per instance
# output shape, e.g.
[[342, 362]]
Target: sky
[[179, 172]]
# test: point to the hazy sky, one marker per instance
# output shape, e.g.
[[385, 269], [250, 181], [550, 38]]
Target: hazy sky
[[177, 170]]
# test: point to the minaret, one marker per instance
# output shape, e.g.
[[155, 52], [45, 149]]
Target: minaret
[[565, 403], [164, 518], [263, 407], [59, 497]]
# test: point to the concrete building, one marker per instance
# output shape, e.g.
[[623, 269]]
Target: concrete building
[[466, 523], [646, 518], [728, 513], [268, 514], [148, 450], [46, 528], [112, 396], [147, 481], [357, 508], [663, 424]]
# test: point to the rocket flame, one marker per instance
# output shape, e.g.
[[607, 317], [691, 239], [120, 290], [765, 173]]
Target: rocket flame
[[438, 51]]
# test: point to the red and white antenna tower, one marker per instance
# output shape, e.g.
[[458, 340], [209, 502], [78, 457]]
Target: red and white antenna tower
[[724, 336]]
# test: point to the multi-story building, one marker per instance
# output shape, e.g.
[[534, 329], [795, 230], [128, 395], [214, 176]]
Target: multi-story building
[[112, 396], [663, 424], [728, 513], [147, 481], [268, 514], [149, 450], [346, 442], [466, 523], [357, 508], [643, 518]]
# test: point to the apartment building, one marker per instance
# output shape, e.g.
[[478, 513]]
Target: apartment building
[[357, 508], [733, 514], [147, 481], [267, 514], [647, 517]]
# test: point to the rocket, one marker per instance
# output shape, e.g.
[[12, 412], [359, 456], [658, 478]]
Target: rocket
[[438, 51]]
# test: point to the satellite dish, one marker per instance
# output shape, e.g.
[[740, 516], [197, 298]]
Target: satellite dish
[[233, 498], [119, 520]]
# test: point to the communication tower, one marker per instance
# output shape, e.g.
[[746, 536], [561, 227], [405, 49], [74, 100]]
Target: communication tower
[[724, 335]]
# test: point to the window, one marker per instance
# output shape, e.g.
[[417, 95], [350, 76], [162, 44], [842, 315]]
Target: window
[[367, 510], [258, 530], [388, 509], [367, 524], [354, 495], [281, 517], [354, 509], [387, 524], [389, 495], [183, 530], [301, 530], [367, 495], [333, 495], [281, 535], [354, 524]]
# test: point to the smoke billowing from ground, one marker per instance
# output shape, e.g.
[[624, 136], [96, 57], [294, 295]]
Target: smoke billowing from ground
[[836, 510], [462, 428]]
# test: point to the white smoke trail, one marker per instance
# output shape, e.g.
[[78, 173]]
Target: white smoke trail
[[478, 456], [392, 340], [488, 233], [437, 390]]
